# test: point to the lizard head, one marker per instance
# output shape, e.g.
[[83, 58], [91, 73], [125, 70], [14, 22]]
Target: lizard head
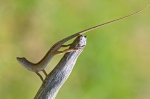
[[25, 63], [22, 60]]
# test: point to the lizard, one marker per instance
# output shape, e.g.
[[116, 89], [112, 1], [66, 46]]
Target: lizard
[[57, 77], [41, 65]]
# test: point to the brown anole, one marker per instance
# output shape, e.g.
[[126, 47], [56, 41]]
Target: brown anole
[[40, 66]]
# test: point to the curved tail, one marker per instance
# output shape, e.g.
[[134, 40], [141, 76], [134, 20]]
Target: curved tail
[[100, 25], [59, 43]]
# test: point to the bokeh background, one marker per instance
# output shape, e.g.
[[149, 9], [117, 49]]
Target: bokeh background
[[114, 65]]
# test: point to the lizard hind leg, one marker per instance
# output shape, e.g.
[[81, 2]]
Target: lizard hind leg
[[65, 51], [39, 76]]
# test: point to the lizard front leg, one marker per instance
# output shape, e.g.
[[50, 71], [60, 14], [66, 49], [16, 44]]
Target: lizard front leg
[[44, 72], [39, 76]]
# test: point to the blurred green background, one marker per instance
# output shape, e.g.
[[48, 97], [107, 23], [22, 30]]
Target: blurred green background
[[115, 64]]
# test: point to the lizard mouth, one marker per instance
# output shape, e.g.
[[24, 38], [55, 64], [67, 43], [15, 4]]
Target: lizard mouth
[[18, 58]]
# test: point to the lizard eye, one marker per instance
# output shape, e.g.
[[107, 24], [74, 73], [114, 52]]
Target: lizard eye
[[22, 61]]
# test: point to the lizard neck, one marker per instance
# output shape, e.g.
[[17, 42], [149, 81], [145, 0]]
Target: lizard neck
[[44, 61], [36, 67], [28, 65]]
